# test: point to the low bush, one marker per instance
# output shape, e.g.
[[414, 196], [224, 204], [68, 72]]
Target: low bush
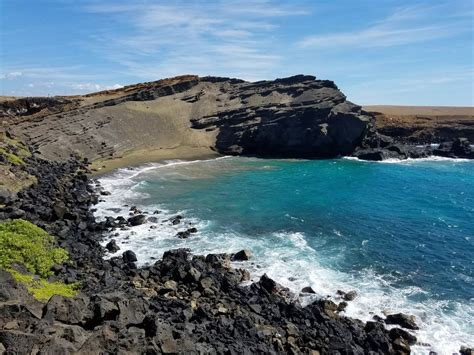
[[23, 243]]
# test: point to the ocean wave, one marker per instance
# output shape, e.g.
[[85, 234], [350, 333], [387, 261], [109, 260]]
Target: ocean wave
[[286, 257], [411, 160]]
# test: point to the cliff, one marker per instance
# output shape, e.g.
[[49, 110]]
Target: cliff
[[296, 116]]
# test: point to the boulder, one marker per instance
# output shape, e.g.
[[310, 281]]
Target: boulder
[[395, 333], [137, 220], [307, 289], [5, 195], [112, 246], [267, 283], [129, 256], [350, 296], [242, 255], [403, 320]]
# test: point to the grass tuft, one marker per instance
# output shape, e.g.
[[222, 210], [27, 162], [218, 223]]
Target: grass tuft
[[12, 158]]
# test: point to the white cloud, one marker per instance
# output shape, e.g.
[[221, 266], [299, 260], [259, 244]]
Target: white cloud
[[91, 87], [408, 25], [228, 37], [11, 75]]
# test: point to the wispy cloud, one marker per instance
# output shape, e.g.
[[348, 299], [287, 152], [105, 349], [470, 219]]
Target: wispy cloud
[[11, 75], [224, 37], [90, 87], [407, 25], [55, 80]]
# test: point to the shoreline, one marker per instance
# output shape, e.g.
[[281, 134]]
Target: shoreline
[[144, 156], [141, 233], [198, 299]]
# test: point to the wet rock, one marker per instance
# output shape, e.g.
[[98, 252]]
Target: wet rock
[[267, 283], [137, 220], [112, 246], [459, 148], [465, 350], [350, 296], [329, 308], [242, 255], [176, 220], [395, 333], [186, 234], [307, 289], [342, 306], [403, 320], [129, 256]]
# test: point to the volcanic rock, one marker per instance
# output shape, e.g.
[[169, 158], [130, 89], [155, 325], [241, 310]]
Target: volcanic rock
[[137, 220], [242, 255], [403, 320], [129, 256]]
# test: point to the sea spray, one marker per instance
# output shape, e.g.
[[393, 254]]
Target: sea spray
[[332, 225]]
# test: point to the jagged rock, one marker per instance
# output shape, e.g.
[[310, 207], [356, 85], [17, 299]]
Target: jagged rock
[[267, 283], [137, 220], [129, 256], [350, 296], [68, 310], [314, 120], [400, 333], [187, 233], [403, 320], [459, 148], [112, 246], [341, 307], [176, 220], [242, 255], [308, 289]]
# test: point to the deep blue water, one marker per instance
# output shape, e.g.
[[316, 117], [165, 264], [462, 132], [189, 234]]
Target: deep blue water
[[401, 234]]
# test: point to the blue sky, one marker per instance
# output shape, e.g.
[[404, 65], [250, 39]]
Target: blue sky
[[377, 51]]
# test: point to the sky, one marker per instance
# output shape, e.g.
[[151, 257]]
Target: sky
[[377, 51]]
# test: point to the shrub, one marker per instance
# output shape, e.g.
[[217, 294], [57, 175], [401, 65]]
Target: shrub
[[21, 242]]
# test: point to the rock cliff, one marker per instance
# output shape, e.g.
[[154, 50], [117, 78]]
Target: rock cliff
[[297, 116]]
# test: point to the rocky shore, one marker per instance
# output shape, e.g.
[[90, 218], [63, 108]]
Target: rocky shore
[[182, 303]]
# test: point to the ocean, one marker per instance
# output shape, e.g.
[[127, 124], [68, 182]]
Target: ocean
[[399, 233]]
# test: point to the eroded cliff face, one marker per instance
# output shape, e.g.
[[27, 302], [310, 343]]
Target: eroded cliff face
[[292, 117]]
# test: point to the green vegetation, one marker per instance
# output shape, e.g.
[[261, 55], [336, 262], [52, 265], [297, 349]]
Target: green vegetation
[[13, 150], [23, 243], [42, 289], [12, 158]]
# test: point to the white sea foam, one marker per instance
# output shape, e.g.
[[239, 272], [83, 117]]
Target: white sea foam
[[287, 258], [411, 160]]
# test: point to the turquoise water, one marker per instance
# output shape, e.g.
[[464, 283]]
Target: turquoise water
[[401, 234]]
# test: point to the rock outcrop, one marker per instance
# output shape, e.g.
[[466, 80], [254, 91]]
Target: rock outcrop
[[292, 117]]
